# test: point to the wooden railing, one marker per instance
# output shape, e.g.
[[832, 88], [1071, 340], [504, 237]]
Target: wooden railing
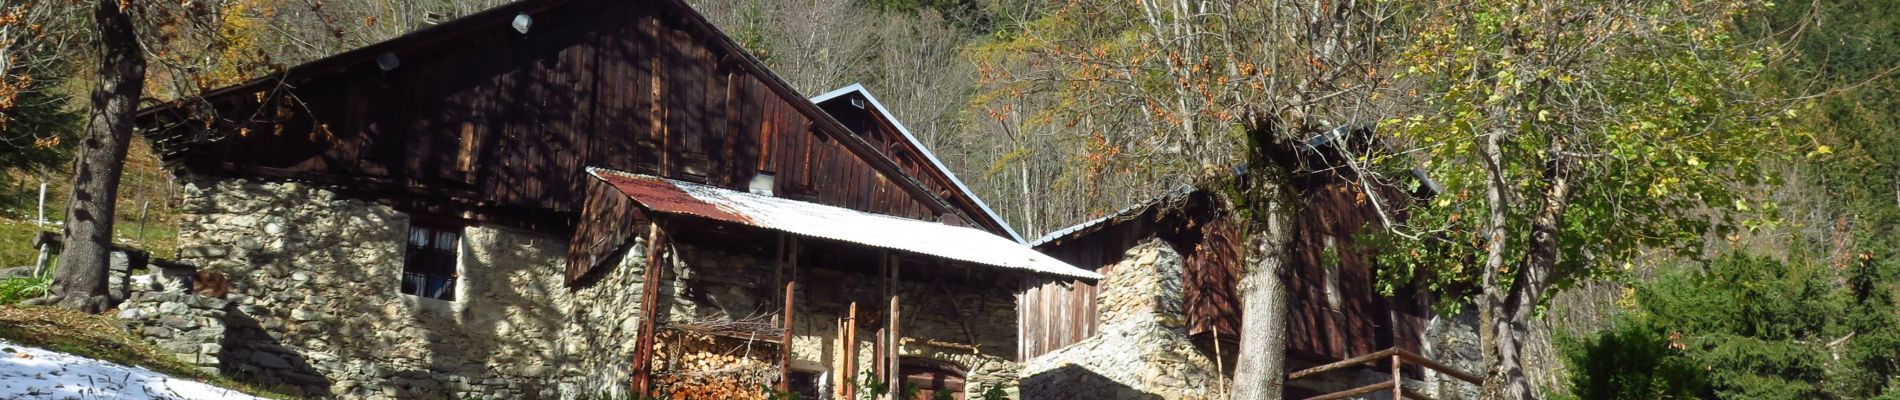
[[1397, 385]]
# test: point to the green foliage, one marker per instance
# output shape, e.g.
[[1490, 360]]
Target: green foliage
[[870, 387], [995, 393], [13, 290], [1744, 327], [1631, 362], [37, 124], [772, 393], [1658, 110]]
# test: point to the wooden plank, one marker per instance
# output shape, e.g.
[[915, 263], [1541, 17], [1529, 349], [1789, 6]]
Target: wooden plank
[[897, 337], [849, 378], [1442, 368], [1349, 393], [1372, 357], [785, 349], [642, 376], [1398, 380]]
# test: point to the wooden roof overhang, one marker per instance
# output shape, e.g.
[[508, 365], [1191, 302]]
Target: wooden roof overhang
[[179, 128], [698, 204]]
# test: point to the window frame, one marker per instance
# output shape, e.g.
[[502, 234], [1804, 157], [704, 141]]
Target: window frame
[[443, 261]]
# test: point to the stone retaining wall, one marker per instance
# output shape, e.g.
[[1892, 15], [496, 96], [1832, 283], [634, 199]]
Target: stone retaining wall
[[1141, 350], [190, 327]]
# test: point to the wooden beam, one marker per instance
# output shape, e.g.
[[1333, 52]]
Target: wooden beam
[[785, 349], [1348, 393], [1441, 368], [957, 307], [880, 349], [849, 379], [1398, 380], [649, 310], [877, 355], [791, 301], [1342, 364], [897, 338]]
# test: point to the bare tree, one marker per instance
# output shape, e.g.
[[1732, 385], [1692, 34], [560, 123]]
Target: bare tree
[[80, 282], [1185, 90]]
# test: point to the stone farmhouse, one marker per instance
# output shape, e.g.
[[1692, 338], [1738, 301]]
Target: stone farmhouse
[[612, 199]]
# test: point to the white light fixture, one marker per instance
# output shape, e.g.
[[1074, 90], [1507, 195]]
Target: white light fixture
[[761, 184], [387, 61], [522, 23]]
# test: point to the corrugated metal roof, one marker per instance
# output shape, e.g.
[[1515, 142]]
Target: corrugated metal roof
[[836, 223], [859, 88], [1125, 212]]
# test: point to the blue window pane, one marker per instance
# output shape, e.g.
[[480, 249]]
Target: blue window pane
[[441, 288]]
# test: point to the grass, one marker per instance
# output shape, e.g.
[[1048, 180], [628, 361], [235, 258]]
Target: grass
[[145, 185], [99, 337], [16, 243], [16, 240]]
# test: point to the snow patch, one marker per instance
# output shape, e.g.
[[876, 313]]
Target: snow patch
[[32, 373]]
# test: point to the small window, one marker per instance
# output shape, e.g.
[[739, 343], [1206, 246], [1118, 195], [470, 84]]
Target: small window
[[428, 266], [934, 380], [807, 384]]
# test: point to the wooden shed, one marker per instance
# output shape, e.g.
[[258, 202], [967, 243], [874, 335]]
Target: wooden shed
[[476, 120], [1337, 312]]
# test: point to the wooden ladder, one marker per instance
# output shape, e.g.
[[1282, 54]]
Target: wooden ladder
[[1397, 385]]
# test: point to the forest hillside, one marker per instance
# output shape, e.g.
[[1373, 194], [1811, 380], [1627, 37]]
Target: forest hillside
[[1700, 199]]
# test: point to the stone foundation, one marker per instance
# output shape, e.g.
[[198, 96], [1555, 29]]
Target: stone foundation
[[315, 304], [189, 327], [1141, 350], [315, 286]]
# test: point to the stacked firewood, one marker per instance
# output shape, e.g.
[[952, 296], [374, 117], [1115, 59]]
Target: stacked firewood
[[692, 365]]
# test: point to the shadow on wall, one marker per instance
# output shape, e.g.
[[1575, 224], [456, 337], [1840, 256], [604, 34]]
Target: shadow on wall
[[252, 356], [1073, 382]]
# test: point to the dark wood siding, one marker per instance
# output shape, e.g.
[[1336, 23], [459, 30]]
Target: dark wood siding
[[1336, 311], [882, 132], [489, 124]]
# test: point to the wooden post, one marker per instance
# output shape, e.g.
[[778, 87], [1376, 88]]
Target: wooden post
[[649, 311], [785, 343], [877, 357], [1220, 366], [143, 206], [837, 364], [39, 264], [1398, 381], [849, 379], [42, 217], [785, 337], [897, 339]]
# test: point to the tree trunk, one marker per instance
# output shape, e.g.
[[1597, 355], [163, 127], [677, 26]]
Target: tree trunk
[[1260, 370], [80, 282], [1492, 313], [1527, 290]]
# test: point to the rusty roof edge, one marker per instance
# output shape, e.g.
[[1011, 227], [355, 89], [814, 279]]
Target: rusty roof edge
[[1073, 272]]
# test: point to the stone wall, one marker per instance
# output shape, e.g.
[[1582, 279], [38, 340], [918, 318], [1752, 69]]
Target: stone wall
[[316, 285], [601, 327], [190, 327], [1141, 349], [714, 285], [315, 304], [1453, 340]]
